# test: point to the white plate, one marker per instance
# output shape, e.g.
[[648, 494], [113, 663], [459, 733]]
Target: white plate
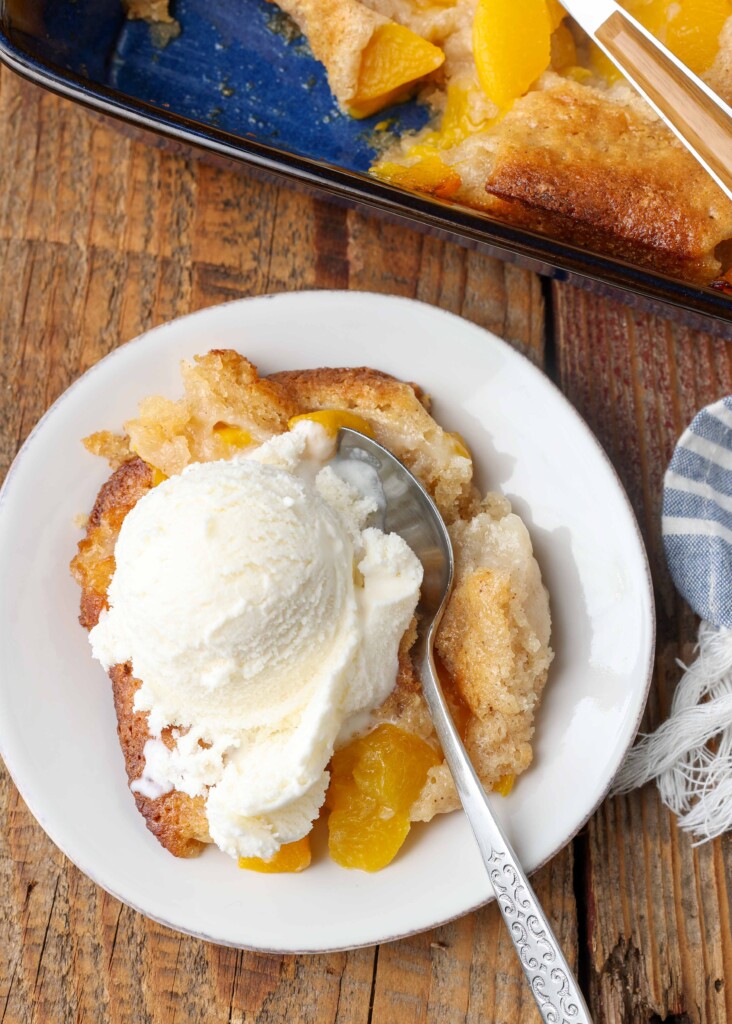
[[57, 723]]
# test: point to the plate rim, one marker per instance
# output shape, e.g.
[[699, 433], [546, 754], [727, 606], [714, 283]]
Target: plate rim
[[646, 589]]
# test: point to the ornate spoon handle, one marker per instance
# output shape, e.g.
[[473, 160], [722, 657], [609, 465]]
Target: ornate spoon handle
[[552, 982]]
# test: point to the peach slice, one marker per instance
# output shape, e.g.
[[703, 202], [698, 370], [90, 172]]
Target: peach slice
[[394, 59], [374, 782], [690, 28], [333, 419], [234, 437], [289, 859], [511, 46], [430, 174]]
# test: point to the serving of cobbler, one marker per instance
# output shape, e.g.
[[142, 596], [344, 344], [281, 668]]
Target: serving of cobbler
[[388, 771]]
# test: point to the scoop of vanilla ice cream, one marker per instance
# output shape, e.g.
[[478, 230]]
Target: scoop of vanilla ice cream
[[231, 590], [237, 602]]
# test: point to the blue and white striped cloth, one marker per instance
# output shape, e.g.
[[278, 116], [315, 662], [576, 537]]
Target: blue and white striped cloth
[[694, 774], [697, 514]]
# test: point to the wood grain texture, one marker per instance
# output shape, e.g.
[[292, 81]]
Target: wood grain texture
[[658, 910], [102, 237]]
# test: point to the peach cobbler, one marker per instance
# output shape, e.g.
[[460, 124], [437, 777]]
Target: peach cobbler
[[531, 123], [258, 629]]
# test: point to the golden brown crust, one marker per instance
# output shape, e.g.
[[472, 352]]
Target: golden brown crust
[[467, 651], [359, 384], [480, 646], [93, 566], [176, 820], [220, 388], [574, 164], [224, 385], [148, 10], [115, 448], [405, 705]]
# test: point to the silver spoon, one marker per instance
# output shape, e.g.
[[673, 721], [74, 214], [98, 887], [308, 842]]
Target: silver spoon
[[409, 511]]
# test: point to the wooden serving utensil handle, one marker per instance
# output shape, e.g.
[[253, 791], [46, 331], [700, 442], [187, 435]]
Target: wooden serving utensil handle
[[700, 119]]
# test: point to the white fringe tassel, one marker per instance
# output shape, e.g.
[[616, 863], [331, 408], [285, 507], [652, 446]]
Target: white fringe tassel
[[691, 754]]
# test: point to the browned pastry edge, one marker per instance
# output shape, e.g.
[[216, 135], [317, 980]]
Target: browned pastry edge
[[116, 497], [361, 382], [593, 172], [176, 820], [543, 201]]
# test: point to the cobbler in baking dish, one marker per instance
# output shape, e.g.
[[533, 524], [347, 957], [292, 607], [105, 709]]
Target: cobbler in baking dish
[[531, 123]]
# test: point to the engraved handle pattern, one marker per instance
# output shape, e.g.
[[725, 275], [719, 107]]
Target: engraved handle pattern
[[554, 987]]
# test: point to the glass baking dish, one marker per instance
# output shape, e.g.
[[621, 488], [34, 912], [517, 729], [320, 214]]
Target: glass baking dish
[[233, 78]]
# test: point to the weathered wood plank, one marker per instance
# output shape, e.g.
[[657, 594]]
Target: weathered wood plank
[[658, 909], [467, 970], [102, 237]]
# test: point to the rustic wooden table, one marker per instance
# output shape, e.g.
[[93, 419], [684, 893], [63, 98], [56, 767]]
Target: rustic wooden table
[[101, 238]]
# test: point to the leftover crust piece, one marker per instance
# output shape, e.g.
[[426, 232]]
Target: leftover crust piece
[[338, 32], [148, 10]]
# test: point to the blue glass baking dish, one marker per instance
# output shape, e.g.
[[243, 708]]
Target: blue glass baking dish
[[234, 78]]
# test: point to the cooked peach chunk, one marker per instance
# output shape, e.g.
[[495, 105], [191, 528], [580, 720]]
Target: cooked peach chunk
[[374, 782], [504, 785], [429, 174], [333, 419], [289, 859], [394, 59], [690, 28], [234, 437], [564, 49], [511, 46], [557, 13]]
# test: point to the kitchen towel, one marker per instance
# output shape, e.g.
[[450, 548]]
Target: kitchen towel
[[690, 755]]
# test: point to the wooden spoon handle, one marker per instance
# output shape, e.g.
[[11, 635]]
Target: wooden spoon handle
[[690, 108]]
